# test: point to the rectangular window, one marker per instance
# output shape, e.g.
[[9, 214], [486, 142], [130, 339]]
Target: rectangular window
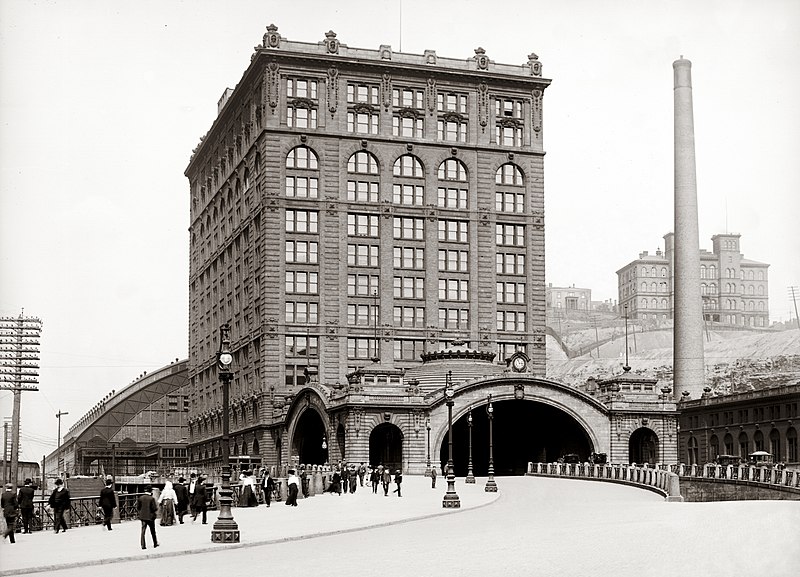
[[412, 317], [358, 191], [302, 282], [362, 225], [362, 315], [408, 98], [409, 287], [454, 230], [362, 122], [510, 321], [508, 108], [362, 285], [408, 126], [408, 194], [361, 348], [295, 375], [511, 292], [452, 197], [409, 228], [453, 318], [301, 117], [451, 102], [452, 130], [302, 187], [509, 201], [301, 221], [302, 346], [452, 289], [505, 350], [508, 135], [363, 93], [510, 234], [409, 257], [301, 251], [302, 312], [301, 88], [408, 349], [362, 255], [454, 260], [510, 263]]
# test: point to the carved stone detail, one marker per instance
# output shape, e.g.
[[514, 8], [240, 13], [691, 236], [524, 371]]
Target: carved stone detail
[[483, 105], [481, 60], [386, 52], [430, 57], [534, 64], [431, 95], [272, 39], [386, 89], [273, 88], [331, 42], [333, 90], [537, 110]]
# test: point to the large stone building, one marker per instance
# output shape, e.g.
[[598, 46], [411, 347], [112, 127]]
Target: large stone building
[[568, 298], [371, 225], [734, 289]]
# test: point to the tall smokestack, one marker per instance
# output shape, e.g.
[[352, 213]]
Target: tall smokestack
[[688, 362]]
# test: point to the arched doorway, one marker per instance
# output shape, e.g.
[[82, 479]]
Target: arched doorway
[[643, 446], [523, 431], [386, 446], [307, 441]]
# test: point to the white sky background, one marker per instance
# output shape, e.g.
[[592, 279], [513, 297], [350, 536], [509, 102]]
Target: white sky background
[[102, 102]]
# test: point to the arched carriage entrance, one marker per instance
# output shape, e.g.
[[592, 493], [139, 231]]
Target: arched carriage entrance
[[523, 431], [643, 446], [386, 446], [309, 438]]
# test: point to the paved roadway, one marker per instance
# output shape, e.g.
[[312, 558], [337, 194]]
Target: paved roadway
[[533, 526]]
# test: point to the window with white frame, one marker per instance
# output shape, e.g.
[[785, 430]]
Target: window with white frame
[[454, 260], [362, 285], [302, 282], [409, 257], [408, 349], [363, 113], [362, 315], [510, 234], [362, 348], [409, 317], [362, 225], [406, 227], [454, 230], [453, 318], [510, 263], [511, 292], [451, 289], [302, 251], [302, 221], [409, 287], [300, 181], [362, 255], [510, 321], [302, 312], [302, 103]]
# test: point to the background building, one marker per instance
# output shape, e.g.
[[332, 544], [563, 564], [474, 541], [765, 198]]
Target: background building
[[734, 289], [568, 298]]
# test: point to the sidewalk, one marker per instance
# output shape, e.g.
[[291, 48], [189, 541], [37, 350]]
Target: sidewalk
[[316, 516]]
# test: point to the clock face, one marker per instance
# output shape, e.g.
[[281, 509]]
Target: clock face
[[226, 358], [519, 364]]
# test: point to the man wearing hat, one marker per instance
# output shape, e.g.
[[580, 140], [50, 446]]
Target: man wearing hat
[[59, 501], [182, 494], [199, 500], [147, 508], [25, 496], [292, 483], [8, 501], [108, 502]]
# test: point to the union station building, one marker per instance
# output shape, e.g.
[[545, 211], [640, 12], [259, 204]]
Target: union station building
[[371, 225]]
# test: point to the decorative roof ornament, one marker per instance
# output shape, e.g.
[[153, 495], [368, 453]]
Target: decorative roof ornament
[[331, 43], [481, 60], [534, 64], [272, 39]]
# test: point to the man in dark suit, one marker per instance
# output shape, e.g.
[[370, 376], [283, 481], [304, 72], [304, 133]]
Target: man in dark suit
[[182, 493], [146, 507], [59, 501], [25, 497], [108, 501], [192, 486], [199, 500], [10, 507], [268, 483]]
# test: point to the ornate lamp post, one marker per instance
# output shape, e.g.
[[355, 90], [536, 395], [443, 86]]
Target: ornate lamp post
[[491, 486], [470, 477], [225, 529], [428, 463], [451, 500]]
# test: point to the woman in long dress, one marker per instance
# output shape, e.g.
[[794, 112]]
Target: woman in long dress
[[167, 501], [248, 496]]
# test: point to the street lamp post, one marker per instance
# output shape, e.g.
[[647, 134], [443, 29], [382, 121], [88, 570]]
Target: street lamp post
[[491, 486], [451, 500], [428, 462], [325, 449], [470, 478], [225, 528]]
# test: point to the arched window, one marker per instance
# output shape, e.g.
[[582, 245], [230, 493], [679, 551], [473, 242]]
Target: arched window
[[654, 302], [758, 439], [775, 444], [751, 290], [664, 304], [712, 271], [653, 271], [453, 192], [728, 442], [408, 192], [713, 448], [761, 275], [644, 271], [301, 182], [644, 286], [694, 457], [703, 288], [644, 303], [653, 287], [744, 445], [366, 186], [702, 271], [750, 275], [509, 194]]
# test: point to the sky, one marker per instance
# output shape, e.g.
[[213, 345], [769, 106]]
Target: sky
[[102, 102]]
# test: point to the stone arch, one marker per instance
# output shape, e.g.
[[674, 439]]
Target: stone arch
[[307, 428], [386, 446], [643, 446]]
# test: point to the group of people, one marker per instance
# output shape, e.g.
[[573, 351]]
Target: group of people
[[347, 477]]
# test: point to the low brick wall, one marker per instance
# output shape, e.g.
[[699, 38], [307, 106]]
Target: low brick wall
[[698, 489]]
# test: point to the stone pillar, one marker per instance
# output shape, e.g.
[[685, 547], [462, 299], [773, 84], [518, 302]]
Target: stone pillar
[[688, 360]]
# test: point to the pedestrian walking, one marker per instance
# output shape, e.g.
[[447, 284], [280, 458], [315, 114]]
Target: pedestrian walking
[[362, 470], [386, 479], [304, 481], [375, 479], [268, 486], [146, 507], [247, 496], [198, 501], [59, 501], [398, 479], [167, 500], [192, 486], [182, 494], [353, 478], [293, 483], [433, 477], [336, 483], [345, 479], [25, 497], [10, 506], [108, 501]]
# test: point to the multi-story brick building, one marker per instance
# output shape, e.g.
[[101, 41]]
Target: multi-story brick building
[[568, 298], [354, 215], [734, 289]]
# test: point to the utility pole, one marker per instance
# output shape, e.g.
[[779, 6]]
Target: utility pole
[[793, 290], [19, 353], [59, 414]]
